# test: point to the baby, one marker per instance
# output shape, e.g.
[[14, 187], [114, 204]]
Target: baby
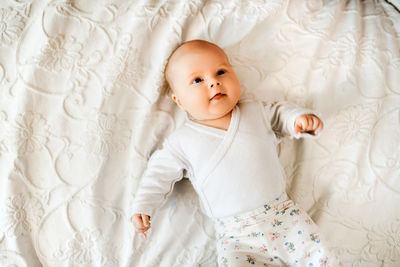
[[228, 151]]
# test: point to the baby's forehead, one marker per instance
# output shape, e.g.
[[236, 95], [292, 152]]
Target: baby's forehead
[[196, 48], [187, 49]]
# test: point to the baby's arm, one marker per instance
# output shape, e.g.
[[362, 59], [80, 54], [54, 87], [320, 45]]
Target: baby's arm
[[287, 119], [163, 170]]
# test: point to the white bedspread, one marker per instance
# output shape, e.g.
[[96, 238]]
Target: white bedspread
[[82, 107]]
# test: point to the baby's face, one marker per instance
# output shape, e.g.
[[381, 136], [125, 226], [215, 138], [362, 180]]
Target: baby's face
[[203, 81]]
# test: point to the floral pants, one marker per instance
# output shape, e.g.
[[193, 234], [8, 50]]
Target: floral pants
[[279, 233]]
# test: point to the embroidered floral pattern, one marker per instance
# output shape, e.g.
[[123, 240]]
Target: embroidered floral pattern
[[32, 132], [12, 259], [107, 134], [351, 49], [257, 9], [21, 213], [11, 25], [60, 54], [384, 241], [87, 248], [354, 124], [196, 256], [129, 71]]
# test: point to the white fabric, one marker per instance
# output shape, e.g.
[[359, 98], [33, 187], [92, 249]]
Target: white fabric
[[232, 171], [82, 108]]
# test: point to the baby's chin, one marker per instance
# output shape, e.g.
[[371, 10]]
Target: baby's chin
[[213, 111], [220, 114], [222, 108]]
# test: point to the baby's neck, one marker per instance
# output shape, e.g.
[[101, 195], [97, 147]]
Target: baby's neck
[[220, 123]]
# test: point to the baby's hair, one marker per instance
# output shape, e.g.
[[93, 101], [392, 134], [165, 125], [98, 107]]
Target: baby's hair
[[169, 89]]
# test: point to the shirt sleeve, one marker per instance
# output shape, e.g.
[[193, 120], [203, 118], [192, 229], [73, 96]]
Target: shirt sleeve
[[163, 170], [282, 115]]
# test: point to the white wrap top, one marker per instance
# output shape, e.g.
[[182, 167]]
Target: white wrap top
[[232, 171]]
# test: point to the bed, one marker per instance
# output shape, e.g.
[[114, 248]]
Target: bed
[[83, 106]]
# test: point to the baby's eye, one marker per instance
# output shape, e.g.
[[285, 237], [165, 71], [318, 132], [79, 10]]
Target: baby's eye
[[197, 80], [220, 72]]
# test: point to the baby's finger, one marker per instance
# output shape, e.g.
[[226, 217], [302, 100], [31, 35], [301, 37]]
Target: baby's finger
[[137, 220], [300, 123], [297, 129], [146, 220], [141, 231], [315, 123], [310, 123], [320, 127], [304, 123]]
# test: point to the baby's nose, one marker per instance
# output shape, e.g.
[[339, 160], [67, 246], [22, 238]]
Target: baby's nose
[[214, 83]]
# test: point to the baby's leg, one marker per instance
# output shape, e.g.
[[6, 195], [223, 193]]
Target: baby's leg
[[296, 239], [284, 235], [304, 236], [241, 258], [244, 246]]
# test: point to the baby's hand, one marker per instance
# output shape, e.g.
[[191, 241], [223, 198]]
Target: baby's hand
[[308, 123], [141, 223]]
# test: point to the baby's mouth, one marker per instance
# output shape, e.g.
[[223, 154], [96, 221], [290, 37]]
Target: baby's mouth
[[217, 96]]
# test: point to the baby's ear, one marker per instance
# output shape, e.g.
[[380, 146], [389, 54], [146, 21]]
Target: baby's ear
[[177, 101]]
